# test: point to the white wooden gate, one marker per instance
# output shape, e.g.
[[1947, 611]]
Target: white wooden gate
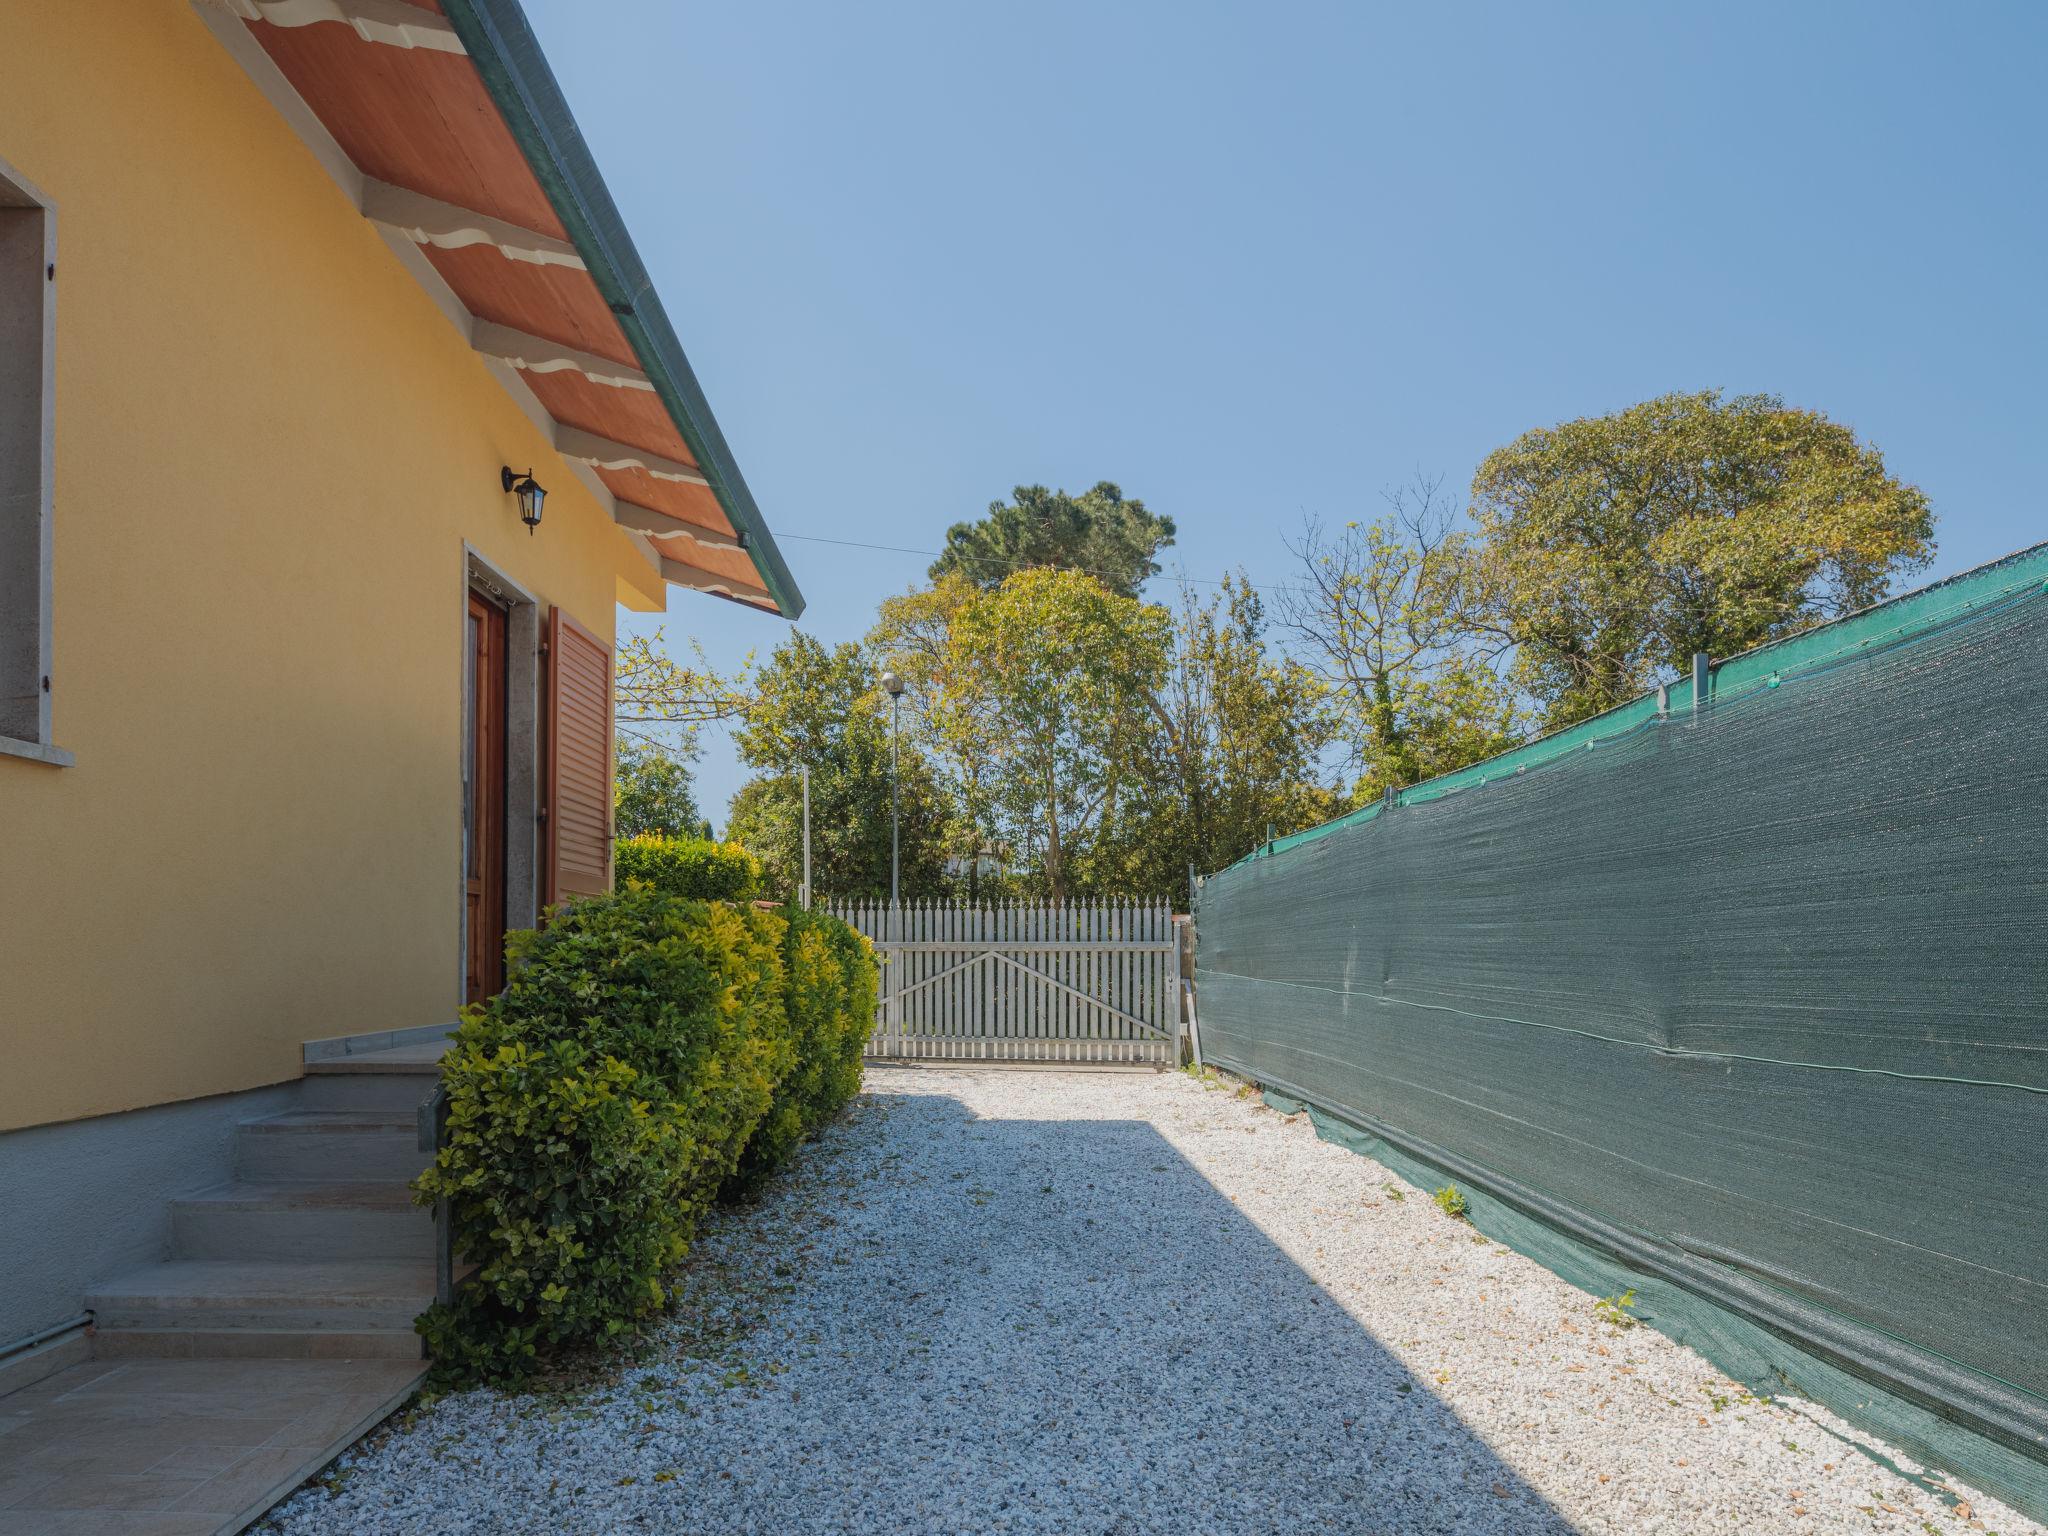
[[1088, 981]]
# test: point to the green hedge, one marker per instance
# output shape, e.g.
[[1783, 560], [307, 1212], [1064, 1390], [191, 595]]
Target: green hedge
[[688, 866], [830, 989], [646, 1049]]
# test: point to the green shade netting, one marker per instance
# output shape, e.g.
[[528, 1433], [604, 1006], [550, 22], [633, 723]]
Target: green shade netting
[[1749, 999]]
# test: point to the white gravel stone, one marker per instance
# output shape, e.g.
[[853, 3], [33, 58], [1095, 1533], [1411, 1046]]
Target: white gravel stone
[[993, 1301]]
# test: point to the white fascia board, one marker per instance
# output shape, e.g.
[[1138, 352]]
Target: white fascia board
[[536, 354], [659, 525], [427, 220], [603, 453], [391, 22], [697, 579]]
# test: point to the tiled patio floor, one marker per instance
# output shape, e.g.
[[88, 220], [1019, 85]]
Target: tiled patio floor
[[180, 1447]]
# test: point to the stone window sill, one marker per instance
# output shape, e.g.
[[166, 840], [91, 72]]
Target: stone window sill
[[34, 751]]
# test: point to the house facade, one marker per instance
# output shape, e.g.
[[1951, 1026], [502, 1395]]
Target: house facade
[[304, 692]]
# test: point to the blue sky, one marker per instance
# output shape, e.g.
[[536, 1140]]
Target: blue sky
[[1250, 261]]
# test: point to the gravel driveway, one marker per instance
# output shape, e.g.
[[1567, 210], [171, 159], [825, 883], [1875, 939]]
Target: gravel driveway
[[1092, 1302]]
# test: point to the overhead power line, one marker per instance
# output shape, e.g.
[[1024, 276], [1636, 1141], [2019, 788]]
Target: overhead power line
[[1006, 565]]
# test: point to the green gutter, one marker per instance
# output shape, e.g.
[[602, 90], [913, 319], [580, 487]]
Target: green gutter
[[514, 71]]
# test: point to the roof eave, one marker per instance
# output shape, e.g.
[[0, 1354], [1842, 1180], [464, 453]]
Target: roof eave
[[508, 58]]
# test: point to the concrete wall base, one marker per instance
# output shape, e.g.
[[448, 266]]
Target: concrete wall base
[[83, 1200], [46, 1359]]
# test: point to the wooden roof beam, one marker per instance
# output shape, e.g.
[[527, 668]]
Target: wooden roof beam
[[392, 22], [428, 221], [603, 453], [697, 579], [659, 525], [536, 354]]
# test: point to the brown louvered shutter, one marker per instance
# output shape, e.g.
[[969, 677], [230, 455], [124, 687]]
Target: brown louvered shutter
[[577, 829]]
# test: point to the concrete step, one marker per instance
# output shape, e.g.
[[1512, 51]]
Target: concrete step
[[395, 1078], [218, 1297], [322, 1146], [300, 1223], [393, 1093], [422, 1056]]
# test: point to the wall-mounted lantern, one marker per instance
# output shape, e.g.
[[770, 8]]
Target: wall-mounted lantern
[[530, 494]]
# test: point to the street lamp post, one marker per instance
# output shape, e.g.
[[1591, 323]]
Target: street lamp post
[[807, 837], [894, 686]]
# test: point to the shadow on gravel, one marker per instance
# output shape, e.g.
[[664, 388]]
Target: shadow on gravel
[[1067, 1328]]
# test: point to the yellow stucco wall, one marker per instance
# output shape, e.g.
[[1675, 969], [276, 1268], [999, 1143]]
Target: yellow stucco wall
[[271, 447]]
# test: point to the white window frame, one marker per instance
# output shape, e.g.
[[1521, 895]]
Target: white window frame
[[28, 434]]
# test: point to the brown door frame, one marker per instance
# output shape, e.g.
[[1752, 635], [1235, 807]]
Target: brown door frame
[[522, 759], [485, 911]]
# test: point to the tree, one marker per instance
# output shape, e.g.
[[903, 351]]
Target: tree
[[913, 636], [652, 791], [809, 706], [1044, 684], [1100, 532], [1386, 619], [650, 688], [1236, 749], [1612, 549]]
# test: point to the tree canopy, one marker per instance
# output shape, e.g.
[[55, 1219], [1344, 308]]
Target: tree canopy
[[1384, 616], [1112, 539], [651, 688], [1105, 743], [1234, 749], [808, 706], [1611, 548], [1102, 744], [652, 791], [1037, 692]]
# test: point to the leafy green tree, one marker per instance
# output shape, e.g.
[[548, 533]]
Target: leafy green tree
[[810, 706], [658, 703], [913, 636], [1045, 684], [1238, 738], [1385, 617], [1112, 539], [652, 790], [650, 688], [1612, 549]]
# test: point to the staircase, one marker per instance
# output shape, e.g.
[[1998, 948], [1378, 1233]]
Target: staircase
[[313, 1250]]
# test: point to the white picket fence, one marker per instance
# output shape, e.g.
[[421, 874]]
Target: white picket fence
[[1087, 981]]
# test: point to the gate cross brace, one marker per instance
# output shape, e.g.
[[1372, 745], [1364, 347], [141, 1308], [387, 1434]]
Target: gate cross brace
[[1032, 971]]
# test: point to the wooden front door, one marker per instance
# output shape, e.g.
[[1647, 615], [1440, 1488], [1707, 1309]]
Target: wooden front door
[[483, 799]]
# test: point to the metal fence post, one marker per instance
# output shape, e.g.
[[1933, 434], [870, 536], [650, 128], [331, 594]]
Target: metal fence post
[[1173, 984], [894, 928]]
